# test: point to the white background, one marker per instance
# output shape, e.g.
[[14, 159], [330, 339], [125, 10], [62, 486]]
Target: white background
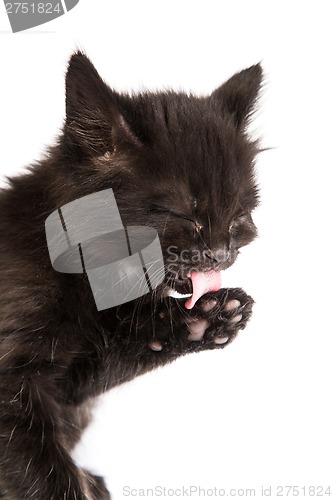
[[258, 413]]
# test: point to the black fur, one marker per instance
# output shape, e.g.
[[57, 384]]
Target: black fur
[[179, 163]]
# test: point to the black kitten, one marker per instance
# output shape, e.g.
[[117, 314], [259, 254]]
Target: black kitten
[[180, 164]]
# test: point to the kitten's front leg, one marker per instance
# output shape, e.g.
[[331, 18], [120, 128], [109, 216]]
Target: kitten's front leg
[[34, 461], [212, 323]]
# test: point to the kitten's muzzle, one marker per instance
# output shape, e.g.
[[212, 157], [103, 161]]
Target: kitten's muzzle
[[180, 264], [216, 259]]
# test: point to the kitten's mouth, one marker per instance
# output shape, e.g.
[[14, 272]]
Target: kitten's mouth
[[196, 285]]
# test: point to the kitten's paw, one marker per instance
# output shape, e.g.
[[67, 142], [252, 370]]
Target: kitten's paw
[[197, 326], [219, 316], [213, 322]]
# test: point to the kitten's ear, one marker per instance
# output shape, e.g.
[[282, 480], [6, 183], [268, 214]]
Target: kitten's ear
[[93, 121], [237, 97]]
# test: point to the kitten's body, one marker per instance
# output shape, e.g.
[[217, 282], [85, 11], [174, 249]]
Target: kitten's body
[[180, 164]]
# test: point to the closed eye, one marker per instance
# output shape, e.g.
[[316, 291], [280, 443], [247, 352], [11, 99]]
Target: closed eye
[[241, 218], [236, 221], [172, 213], [242, 229]]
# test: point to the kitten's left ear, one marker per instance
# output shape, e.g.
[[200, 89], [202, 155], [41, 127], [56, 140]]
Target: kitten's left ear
[[237, 97], [94, 121]]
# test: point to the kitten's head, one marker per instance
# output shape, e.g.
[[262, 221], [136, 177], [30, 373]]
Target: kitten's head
[[179, 163]]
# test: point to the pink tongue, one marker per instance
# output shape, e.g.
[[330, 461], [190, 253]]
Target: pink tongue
[[202, 283]]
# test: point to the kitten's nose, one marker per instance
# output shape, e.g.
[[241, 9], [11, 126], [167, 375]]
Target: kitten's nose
[[218, 257]]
